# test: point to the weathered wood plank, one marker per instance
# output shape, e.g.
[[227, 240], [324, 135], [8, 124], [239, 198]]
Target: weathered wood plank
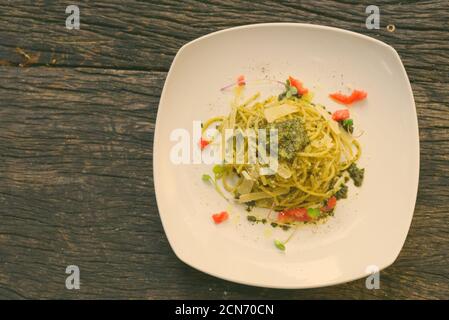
[[76, 187], [146, 35]]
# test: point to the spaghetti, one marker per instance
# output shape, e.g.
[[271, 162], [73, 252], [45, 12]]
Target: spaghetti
[[315, 154]]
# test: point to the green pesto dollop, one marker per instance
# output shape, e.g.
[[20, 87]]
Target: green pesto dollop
[[342, 193], [292, 137], [356, 174]]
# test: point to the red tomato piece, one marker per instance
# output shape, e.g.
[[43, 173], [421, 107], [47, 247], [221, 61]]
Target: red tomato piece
[[204, 143], [331, 203], [241, 80], [356, 95], [297, 214], [282, 217], [300, 214], [298, 85], [340, 115], [220, 217]]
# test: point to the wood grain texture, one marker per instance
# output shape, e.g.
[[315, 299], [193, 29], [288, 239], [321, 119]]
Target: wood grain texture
[[77, 115]]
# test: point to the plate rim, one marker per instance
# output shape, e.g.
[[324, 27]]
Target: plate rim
[[179, 254]]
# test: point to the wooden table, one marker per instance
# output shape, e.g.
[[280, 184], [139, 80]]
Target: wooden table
[[77, 115]]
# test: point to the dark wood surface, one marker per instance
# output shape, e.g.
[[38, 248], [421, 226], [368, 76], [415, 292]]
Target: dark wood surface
[[77, 116]]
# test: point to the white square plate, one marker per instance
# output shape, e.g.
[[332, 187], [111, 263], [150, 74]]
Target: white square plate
[[368, 229]]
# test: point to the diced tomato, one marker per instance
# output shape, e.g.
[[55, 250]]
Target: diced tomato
[[300, 214], [298, 85], [340, 115], [331, 203], [283, 217], [241, 80], [204, 143], [356, 95], [297, 214], [220, 217]]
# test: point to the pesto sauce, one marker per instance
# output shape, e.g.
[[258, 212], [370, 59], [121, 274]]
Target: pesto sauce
[[292, 137], [250, 205], [342, 193], [356, 174], [254, 219]]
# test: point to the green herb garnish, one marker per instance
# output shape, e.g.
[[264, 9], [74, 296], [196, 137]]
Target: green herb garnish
[[313, 213], [280, 245], [290, 91], [218, 171], [348, 125], [206, 178]]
